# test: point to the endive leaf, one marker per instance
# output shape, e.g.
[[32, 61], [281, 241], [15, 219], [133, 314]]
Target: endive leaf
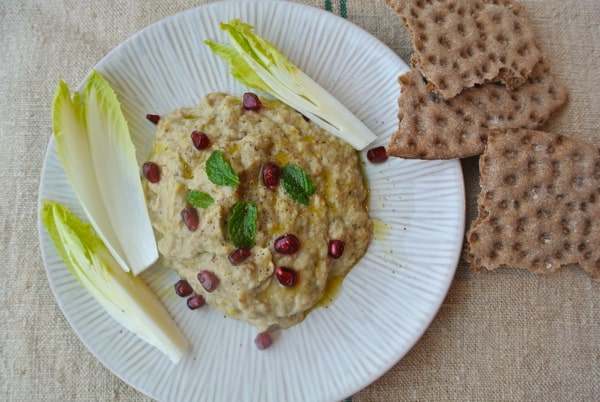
[[95, 148], [127, 298], [260, 65]]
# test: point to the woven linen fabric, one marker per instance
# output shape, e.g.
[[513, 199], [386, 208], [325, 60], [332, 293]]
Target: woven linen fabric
[[510, 335]]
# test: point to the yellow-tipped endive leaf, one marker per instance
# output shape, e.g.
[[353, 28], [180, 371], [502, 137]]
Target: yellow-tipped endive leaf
[[258, 64], [127, 298], [95, 148]]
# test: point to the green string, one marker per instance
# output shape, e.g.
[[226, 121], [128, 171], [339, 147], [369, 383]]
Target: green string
[[343, 8]]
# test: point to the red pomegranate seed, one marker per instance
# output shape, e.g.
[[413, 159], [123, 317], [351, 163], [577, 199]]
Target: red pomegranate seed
[[238, 255], [286, 276], [263, 340], [154, 118], [270, 175], [336, 248], [190, 217], [287, 244], [183, 288], [250, 101], [151, 172], [200, 140], [208, 280], [195, 302], [377, 155]]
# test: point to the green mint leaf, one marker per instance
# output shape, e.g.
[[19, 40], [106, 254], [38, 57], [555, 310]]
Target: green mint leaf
[[199, 199], [242, 224], [219, 171], [297, 184]]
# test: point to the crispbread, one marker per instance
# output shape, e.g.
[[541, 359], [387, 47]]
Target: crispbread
[[432, 128], [462, 43], [539, 207]]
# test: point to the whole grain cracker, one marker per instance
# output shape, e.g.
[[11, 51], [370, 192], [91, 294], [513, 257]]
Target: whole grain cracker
[[539, 207], [462, 43], [433, 128]]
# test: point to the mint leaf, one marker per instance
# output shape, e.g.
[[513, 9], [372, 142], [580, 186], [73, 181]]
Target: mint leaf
[[297, 184], [219, 171], [242, 224], [199, 199]]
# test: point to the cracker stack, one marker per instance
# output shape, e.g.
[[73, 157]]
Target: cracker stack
[[481, 86], [477, 67], [539, 207]]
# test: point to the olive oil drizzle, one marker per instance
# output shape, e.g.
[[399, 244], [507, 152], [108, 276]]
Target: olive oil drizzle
[[332, 290]]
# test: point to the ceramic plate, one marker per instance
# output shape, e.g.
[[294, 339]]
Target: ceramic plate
[[385, 303]]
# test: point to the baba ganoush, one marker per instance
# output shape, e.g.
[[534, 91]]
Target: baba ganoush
[[296, 245]]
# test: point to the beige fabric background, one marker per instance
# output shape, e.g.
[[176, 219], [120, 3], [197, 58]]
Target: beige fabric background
[[505, 336]]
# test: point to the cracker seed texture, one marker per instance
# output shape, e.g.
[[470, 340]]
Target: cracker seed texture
[[461, 43], [433, 128], [539, 207]]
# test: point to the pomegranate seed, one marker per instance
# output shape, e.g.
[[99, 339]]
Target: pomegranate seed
[[237, 256], [263, 340], [286, 276], [336, 248], [287, 244], [208, 280], [154, 118], [151, 172], [190, 217], [377, 155], [183, 288], [250, 101], [195, 302], [200, 140], [270, 175]]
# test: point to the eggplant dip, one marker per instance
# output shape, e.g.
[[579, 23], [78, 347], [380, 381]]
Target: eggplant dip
[[255, 207]]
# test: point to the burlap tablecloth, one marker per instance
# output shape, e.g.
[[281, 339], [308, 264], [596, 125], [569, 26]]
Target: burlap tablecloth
[[505, 336]]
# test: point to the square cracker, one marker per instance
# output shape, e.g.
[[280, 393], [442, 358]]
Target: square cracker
[[433, 128], [462, 43], [539, 207]]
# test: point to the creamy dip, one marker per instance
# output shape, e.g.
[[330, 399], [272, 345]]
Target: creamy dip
[[250, 291]]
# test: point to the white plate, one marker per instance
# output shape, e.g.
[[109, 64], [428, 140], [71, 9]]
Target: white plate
[[388, 299]]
